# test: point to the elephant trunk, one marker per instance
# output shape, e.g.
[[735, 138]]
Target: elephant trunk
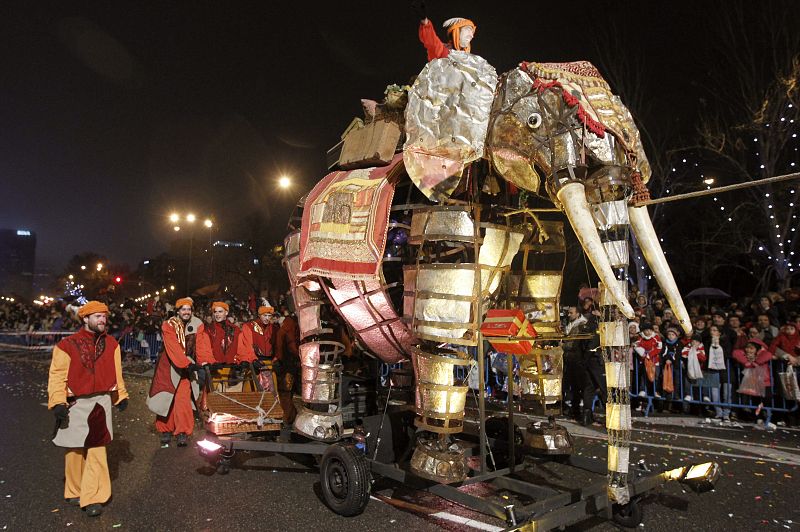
[[648, 242], [573, 199]]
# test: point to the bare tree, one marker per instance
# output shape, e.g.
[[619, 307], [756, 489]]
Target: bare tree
[[748, 130]]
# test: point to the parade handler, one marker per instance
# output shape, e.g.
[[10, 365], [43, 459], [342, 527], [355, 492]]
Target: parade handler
[[179, 376], [85, 379], [256, 342]]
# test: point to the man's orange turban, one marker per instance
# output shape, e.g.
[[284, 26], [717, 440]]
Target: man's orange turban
[[92, 307], [184, 301], [222, 304], [265, 310], [454, 26]]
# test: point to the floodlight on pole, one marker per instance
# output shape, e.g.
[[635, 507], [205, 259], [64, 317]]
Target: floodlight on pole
[[208, 223], [284, 182], [191, 218], [174, 217]]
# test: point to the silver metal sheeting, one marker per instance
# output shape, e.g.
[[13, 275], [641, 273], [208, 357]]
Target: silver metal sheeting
[[446, 121], [610, 213]]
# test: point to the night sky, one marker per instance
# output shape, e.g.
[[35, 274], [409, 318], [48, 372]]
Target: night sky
[[114, 114]]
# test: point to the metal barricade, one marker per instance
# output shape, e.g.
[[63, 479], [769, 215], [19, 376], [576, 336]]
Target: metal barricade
[[14, 341], [773, 400], [145, 345]]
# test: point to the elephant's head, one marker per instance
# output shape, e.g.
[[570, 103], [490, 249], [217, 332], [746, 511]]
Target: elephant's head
[[559, 126]]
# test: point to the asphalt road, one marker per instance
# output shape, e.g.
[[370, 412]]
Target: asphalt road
[[174, 489]]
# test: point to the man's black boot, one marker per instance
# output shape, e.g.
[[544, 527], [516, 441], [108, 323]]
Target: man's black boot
[[93, 510]]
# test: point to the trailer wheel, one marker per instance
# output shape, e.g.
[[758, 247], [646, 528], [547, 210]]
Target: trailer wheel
[[628, 515], [345, 479]]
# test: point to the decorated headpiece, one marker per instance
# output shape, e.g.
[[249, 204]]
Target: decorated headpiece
[[265, 310], [184, 301], [220, 304], [92, 307], [453, 27]]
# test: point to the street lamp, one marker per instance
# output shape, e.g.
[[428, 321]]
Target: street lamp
[[284, 182], [190, 219]]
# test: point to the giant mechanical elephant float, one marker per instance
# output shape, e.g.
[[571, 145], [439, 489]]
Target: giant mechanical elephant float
[[413, 251]]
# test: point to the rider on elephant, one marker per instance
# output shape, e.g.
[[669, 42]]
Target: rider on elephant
[[460, 32]]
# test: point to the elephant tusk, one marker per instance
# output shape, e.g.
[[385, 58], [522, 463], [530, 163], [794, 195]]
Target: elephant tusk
[[648, 242], [573, 197]]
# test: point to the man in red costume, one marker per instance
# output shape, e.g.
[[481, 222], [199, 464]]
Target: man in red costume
[[85, 379], [258, 335], [460, 32], [224, 337], [179, 375], [257, 340]]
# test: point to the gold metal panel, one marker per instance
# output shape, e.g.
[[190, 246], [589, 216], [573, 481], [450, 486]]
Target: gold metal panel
[[444, 223], [618, 417], [618, 458], [606, 298], [539, 285], [498, 250], [617, 375], [437, 368], [444, 465], [613, 333], [435, 400], [516, 167]]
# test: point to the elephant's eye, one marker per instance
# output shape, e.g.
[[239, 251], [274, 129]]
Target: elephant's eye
[[534, 120]]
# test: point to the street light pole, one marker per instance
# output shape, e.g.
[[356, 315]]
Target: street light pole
[[175, 218], [189, 267]]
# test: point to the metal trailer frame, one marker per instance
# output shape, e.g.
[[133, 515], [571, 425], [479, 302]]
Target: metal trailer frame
[[552, 508]]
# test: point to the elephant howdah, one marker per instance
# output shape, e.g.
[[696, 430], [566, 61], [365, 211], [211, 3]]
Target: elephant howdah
[[412, 254]]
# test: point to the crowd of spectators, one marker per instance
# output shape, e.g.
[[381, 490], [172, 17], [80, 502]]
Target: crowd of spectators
[[136, 325], [734, 354]]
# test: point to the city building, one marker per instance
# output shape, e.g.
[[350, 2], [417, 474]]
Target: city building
[[17, 262]]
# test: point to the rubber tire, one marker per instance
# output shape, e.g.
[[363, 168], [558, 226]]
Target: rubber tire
[[629, 515], [345, 479]]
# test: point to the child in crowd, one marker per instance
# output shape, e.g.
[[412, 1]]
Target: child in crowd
[[671, 369], [755, 380], [694, 357], [648, 350]]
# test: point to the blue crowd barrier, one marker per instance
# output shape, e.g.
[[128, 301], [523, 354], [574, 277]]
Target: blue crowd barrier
[[30, 341], [146, 345], [773, 401]]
